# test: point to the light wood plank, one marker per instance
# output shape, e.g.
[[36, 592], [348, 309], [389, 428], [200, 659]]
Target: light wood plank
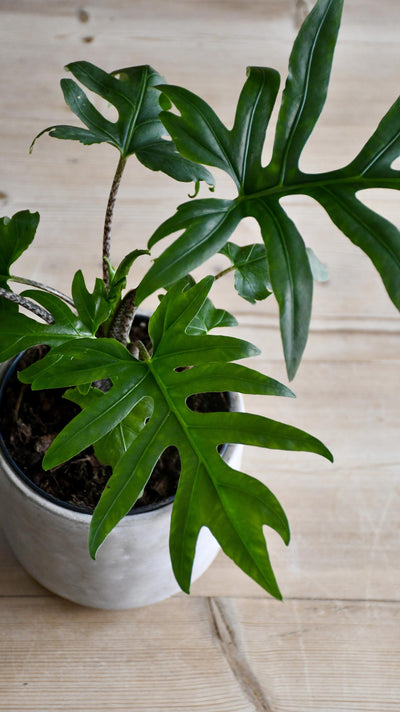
[[304, 655]]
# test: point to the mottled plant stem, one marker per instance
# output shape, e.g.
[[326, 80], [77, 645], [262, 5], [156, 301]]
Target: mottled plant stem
[[23, 302], [109, 217], [122, 322], [44, 287]]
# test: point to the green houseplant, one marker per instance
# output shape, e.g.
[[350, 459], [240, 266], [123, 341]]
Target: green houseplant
[[132, 397]]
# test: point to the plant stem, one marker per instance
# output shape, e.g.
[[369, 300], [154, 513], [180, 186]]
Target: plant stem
[[143, 353], [23, 302], [44, 287], [224, 272], [109, 217], [122, 322]]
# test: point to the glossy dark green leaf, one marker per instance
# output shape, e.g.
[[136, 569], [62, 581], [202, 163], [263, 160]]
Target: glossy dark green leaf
[[306, 87], [375, 235], [233, 505], [251, 270], [79, 362], [290, 276], [137, 129], [375, 159], [253, 113], [200, 135], [205, 234]]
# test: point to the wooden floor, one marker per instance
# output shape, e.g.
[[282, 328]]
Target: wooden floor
[[334, 644]]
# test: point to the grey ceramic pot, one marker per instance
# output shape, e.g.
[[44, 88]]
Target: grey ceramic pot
[[132, 567]]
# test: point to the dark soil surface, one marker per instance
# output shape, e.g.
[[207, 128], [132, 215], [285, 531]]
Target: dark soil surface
[[30, 420]]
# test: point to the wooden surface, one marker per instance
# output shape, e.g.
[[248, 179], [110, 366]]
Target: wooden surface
[[334, 644]]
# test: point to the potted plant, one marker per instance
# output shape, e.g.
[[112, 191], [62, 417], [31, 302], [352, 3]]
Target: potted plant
[[132, 397]]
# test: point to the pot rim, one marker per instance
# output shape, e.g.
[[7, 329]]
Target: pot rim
[[48, 501]]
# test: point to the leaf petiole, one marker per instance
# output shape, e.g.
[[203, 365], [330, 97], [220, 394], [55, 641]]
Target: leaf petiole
[[143, 353], [108, 219], [44, 287], [27, 304], [224, 272]]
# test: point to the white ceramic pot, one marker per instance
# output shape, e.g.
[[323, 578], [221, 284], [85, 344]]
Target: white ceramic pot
[[132, 566]]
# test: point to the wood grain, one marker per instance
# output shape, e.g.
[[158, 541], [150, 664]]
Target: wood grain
[[301, 655]]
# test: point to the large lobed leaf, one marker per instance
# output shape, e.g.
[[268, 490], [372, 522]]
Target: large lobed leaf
[[201, 136], [137, 130], [150, 399]]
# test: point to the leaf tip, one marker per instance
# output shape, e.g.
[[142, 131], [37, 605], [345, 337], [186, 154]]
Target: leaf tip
[[93, 551], [93, 543], [325, 452], [329, 456], [45, 463]]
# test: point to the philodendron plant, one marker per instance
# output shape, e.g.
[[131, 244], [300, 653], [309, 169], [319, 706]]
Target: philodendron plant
[[132, 399]]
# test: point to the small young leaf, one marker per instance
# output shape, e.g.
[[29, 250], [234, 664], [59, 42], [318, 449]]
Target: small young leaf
[[16, 234], [93, 308], [208, 317], [251, 271]]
